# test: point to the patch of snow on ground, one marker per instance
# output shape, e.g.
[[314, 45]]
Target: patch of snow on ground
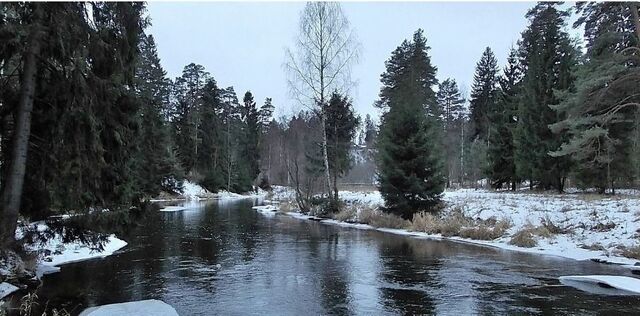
[[603, 284], [192, 191], [62, 253], [606, 221], [137, 308], [6, 289]]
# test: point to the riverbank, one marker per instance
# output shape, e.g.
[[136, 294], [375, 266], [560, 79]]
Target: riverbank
[[575, 226]]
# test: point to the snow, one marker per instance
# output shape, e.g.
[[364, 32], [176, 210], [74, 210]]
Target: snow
[[192, 191], [195, 192], [63, 253], [602, 223], [136, 308], [603, 284], [6, 289]]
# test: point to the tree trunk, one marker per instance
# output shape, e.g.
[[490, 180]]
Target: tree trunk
[[12, 189], [325, 154], [636, 18]]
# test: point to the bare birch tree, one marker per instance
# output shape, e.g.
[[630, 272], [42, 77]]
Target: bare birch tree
[[326, 49]]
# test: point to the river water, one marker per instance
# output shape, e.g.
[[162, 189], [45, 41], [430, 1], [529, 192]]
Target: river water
[[226, 259]]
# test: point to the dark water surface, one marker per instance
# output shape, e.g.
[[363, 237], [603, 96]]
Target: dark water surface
[[226, 259]]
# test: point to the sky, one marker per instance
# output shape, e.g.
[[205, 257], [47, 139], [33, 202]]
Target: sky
[[242, 44]]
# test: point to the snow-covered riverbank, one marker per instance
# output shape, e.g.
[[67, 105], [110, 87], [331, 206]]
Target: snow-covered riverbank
[[588, 227]]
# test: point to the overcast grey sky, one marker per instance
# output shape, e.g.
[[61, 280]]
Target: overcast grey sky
[[242, 44]]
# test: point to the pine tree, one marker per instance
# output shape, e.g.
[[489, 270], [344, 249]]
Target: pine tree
[[265, 115], [483, 94], [548, 56], [501, 161], [598, 116], [410, 162], [187, 96]]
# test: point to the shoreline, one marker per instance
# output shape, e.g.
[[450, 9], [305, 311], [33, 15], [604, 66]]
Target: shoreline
[[524, 210]]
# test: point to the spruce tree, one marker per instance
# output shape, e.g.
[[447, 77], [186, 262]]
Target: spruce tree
[[158, 168], [483, 94], [251, 134], [503, 116], [342, 125], [409, 158], [548, 56]]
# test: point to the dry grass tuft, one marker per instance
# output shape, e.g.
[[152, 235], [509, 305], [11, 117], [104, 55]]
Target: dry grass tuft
[[630, 252], [596, 247], [552, 228], [286, 207], [604, 227], [458, 224], [348, 214], [486, 232], [523, 238], [380, 219]]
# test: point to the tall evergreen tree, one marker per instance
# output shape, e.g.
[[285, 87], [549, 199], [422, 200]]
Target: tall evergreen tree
[[483, 94], [452, 105], [73, 112], [548, 56], [503, 116], [158, 168], [410, 160], [601, 113], [265, 115], [251, 134], [186, 121]]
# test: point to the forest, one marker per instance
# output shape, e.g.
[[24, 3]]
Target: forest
[[90, 120]]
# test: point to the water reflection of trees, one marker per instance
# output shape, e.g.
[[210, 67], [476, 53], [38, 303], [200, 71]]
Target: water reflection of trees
[[409, 274]]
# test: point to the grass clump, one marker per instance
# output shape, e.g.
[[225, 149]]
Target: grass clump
[[347, 214], [376, 218], [632, 252], [523, 238], [595, 247], [456, 223], [486, 232]]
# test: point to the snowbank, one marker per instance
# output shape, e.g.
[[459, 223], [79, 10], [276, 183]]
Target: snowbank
[[58, 252], [137, 308], [595, 227], [6, 289], [195, 192], [603, 284], [192, 191]]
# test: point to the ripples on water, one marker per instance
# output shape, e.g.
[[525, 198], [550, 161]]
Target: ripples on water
[[226, 259]]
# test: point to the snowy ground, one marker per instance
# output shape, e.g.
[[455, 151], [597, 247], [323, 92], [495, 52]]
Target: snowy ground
[[194, 192], [603, 224]]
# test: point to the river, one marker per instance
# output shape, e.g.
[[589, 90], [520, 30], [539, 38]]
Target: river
[[226, 259]]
